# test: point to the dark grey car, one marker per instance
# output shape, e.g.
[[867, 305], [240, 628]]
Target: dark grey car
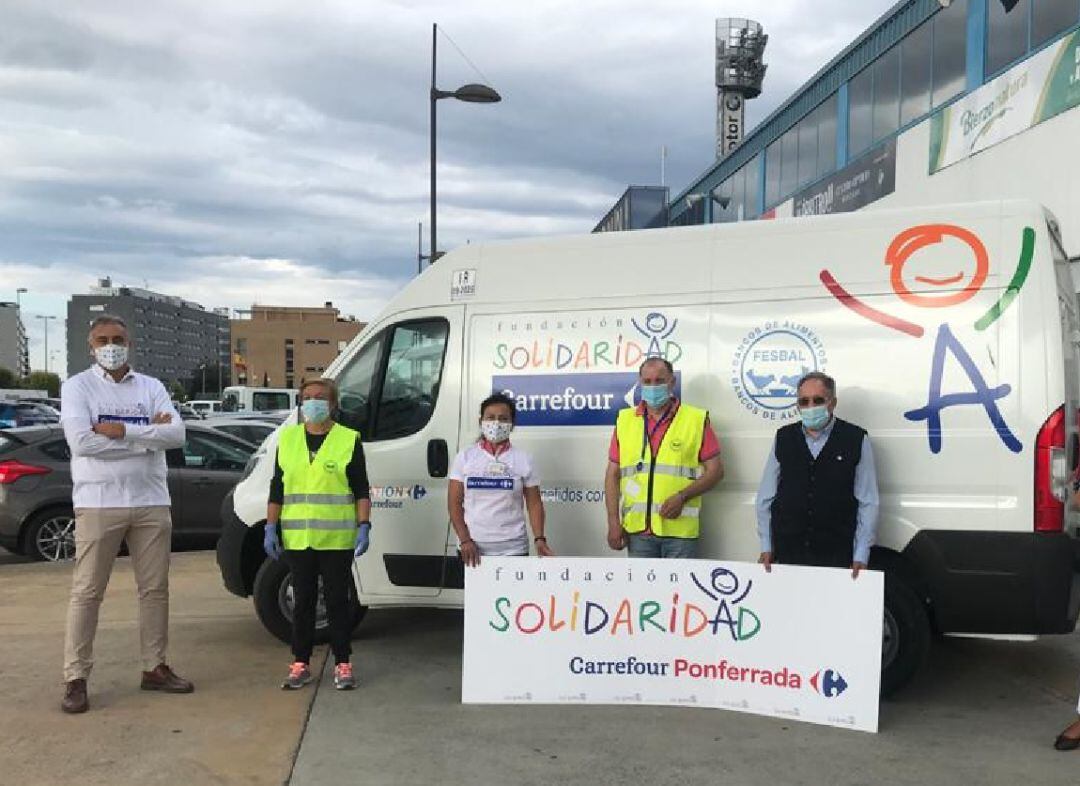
[[36, 517]]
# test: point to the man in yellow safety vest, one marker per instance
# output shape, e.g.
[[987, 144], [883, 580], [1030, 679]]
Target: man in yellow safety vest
[[664, 455]]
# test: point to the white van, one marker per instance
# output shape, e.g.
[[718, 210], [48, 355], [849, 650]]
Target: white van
[[205, 406], [241, 398], [952, 332]]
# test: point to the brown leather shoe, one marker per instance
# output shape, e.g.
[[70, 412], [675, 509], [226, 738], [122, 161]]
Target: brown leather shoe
[[75, 699], [165, 679]]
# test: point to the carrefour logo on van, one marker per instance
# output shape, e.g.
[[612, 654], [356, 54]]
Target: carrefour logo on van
[[571, 399], [768, 364]]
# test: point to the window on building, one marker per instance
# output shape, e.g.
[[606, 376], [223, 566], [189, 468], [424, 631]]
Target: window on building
[[772, 173], [753, 186], [1050, 17], [915, 74], [887, 94], [826, 157], [241, 346], [1006, 34], [860, 112], [808, 148], [789, 170], [950, 52]]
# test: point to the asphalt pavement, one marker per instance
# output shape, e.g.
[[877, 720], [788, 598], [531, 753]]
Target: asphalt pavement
[[982, 712]]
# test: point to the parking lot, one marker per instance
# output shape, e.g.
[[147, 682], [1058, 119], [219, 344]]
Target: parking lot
[[984, 712]]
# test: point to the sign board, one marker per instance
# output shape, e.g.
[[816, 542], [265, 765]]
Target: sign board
[[1044, 85], [865, 180], [798, 643], [463, 284], [732, 110]]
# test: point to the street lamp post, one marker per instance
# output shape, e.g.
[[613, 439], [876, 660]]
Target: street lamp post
[[471, 93], [46, 318], [24, 356], [202, 389]]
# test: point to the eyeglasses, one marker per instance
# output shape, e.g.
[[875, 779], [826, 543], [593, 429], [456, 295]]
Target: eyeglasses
[[817, 401]]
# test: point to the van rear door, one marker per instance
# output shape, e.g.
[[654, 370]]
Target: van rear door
[[401, 391]]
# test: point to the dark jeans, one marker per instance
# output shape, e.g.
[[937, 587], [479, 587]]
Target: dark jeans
[[803, 555], [335, 567]]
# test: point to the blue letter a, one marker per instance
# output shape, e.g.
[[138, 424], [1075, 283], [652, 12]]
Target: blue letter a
[[981, 395]]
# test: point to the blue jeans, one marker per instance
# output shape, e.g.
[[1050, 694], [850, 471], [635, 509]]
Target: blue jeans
[[644, 544]]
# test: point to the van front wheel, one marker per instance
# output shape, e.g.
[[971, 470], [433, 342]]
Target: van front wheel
[[273, 598], [905, 634]]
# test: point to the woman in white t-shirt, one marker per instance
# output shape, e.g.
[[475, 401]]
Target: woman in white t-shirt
[[492, 485]]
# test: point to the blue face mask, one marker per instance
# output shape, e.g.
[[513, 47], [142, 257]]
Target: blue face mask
[[655, 396], [814, 418], [315, 410]]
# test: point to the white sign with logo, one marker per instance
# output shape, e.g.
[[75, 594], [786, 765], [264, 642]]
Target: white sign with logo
[[799, 643], [1037, 89]]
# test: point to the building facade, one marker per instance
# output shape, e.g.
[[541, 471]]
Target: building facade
[[937, 102], [14, 350], [281, 346], [172, 339]]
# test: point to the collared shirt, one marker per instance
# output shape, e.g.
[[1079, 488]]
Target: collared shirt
[[866, 492], [118, 473], [495, 479]]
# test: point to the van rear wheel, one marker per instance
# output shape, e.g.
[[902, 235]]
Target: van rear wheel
[[273, 598], [905, 634]]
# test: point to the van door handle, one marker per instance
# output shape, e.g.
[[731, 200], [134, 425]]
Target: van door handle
[[438, 458]]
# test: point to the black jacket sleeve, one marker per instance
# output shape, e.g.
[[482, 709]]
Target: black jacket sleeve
[[356, 473], [277, 484]]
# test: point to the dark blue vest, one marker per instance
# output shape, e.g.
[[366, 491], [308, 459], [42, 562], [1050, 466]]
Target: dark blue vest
[[815, 511]]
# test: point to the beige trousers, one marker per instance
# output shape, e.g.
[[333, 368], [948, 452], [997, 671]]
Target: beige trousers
[[98, 535]]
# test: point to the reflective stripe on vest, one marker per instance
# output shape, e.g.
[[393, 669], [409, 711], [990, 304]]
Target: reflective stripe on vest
[[676, 467], [318, 510]]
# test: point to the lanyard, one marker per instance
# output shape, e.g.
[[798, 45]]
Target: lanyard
[[647, 435]]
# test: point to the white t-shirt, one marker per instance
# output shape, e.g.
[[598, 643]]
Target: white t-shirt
[[118, 473], [495, 497]]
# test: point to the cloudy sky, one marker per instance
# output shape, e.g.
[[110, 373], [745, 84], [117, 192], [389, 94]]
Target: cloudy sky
[[276, 151]]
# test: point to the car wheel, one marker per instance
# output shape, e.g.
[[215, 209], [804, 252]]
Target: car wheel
[[905, 639], [50, 536], [273, 598]]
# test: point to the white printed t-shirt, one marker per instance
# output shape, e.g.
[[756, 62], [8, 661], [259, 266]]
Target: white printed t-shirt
[[495, 497], [118, 473]]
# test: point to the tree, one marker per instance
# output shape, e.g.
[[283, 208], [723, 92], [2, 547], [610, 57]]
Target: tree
[[176, 391], [43, 380], [8, 378]]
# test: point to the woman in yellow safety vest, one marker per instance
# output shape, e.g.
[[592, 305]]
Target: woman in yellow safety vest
[[492, 485], [319, 497]]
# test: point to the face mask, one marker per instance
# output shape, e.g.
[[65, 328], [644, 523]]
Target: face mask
[[111, 356], [315, 410], [495, 430], [814, 418], [655, 395]]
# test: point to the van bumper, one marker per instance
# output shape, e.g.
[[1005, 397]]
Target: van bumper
[[1001, 582]]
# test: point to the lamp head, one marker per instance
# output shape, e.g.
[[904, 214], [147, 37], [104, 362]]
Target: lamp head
[[477, 94]]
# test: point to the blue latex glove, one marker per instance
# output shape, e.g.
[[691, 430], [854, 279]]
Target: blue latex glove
[[271, 544], [363, 538]]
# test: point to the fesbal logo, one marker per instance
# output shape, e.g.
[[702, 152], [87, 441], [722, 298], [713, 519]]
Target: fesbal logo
[[768, 363]]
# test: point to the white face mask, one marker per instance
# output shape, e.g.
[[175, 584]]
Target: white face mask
[[495, 430], [111, 356]]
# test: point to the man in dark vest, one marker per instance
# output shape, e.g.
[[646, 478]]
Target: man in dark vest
[[818, 499]]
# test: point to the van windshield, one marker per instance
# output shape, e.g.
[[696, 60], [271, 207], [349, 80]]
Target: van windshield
[[263, 401]]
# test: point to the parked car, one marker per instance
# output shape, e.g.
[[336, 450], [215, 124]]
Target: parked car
[[253, 430], [276, 416], [14, 414], [36, 517], [187, 412]]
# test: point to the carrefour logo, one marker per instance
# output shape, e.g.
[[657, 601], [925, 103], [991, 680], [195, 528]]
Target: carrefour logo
[[571, 399], [828, 682], [768, 364]]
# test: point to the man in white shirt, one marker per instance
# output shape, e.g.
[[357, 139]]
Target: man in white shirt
[[119, 425]]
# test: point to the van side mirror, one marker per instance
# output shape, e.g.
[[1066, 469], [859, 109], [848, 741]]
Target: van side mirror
[[438, 458]]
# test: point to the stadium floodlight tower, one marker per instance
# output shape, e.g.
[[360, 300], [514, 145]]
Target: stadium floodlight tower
[[740, 49]]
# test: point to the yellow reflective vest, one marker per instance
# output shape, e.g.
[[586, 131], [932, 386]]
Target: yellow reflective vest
[[318, 510], [647, 481]]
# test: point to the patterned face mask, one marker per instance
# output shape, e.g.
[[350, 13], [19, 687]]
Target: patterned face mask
[[111, 356], [495, 430]]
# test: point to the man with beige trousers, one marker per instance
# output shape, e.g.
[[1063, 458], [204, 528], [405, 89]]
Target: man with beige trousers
[[118, 425]]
